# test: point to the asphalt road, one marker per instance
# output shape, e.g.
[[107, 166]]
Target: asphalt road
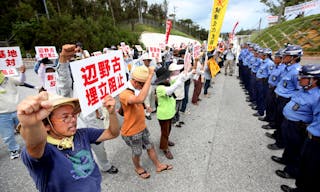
[[221, 148]]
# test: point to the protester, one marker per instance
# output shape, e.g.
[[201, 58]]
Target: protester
[[197, 81], [134, 130], [57, 154], [207, 76], [65, 88], [9, 98]]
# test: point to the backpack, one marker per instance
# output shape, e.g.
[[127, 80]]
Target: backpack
[[36, 66]]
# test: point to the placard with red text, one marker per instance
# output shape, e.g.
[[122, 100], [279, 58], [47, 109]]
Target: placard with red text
[[50, 82], [97, 77], [10, 57], [155, 52], [10, 72], [46, 51]]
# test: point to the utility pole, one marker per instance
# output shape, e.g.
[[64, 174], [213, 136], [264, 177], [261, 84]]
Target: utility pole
[[259, 27], [174, 16], [46, 9]]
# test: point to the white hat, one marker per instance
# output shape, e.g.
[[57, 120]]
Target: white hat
[[174, 66], [146, 57]]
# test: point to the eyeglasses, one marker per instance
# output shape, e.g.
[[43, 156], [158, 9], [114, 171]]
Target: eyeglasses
[[140, 83], [68, 118]]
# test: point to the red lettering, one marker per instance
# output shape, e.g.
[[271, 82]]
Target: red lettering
[[112, 84], [50, 77], [103, 90], [92, 96], [41, 50], [52, 83], [120, 80], [104, 68], [2, 54], [116, 64], [89, 74], [10, 62], [12, 53]]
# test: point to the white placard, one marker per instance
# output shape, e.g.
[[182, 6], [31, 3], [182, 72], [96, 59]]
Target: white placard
[[97, 53], [10, 72], [50, 82], [97, 77], [46, 51], [302, 7], [10, 57], [155, 52], [272, 18]]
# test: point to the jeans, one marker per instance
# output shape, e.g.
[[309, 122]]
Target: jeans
[[206, 86], [186, 95], [8, 121]]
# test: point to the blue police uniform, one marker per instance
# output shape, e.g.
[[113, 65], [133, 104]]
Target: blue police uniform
[[262, 85], [246, 70], [298, 112], [254, 61], [286, 87], [273, 80], [309, 174]]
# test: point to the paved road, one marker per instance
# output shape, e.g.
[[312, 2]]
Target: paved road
[[221, 148]]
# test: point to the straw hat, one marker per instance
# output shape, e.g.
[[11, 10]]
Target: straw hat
[[58, 101], [140, 73]]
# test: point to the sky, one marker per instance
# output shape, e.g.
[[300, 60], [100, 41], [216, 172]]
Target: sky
[[247, 12]]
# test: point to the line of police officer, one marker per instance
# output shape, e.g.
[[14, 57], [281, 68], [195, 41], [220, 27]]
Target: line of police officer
[[288, 94]]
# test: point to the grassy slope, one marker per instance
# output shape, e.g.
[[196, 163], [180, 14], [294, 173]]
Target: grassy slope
[[302, 31]]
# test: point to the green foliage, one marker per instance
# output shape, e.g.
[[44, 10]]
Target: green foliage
[[302, 31]]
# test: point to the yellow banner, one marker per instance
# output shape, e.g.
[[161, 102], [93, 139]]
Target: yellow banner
[[213, 66], [218, 11]]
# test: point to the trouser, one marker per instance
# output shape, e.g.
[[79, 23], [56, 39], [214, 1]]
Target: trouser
[[240, 69], [294, 134], [186, 95], [261, 94], [8, 122], [309, 174], [229, 64], [281, 102], [252, 87], [206, 86], [196, 90], [176, 117], [270, 104], [165, 126], [246, 77]]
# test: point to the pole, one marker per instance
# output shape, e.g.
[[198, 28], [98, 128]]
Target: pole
[[46, 9]]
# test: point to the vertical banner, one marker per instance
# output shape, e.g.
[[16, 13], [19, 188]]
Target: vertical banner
[[97, 77], [231, 35], [187, 61], [168, 29], [196, 50], [218, 11], [50, 82], [10, 57]]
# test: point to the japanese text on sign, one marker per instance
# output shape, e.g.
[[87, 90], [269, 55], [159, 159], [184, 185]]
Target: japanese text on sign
[[46, 51], [50, 82], [10, 57], [155, 52], [97, 77]]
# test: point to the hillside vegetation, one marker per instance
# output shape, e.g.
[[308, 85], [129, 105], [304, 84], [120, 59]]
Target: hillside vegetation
[[303, 31]]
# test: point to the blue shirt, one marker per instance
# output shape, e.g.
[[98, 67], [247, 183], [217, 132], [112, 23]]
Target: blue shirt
[[256, 65], [265, 67], [67, 170], [302, 105], [242, 54], [314, 127], [247, 59], [275, 74], [289, 82]]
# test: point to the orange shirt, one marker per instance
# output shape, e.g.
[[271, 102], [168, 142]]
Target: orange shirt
[[134, 120]]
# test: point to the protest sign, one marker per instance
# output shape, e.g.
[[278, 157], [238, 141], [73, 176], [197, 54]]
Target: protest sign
[[50, 82], [97, 53], [49, 52], [187, 61], [97, 77], [10, 72], [196, 50], [155, 52], [10, 57]]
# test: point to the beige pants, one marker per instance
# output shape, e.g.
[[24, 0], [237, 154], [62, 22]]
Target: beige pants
[[228, 64]]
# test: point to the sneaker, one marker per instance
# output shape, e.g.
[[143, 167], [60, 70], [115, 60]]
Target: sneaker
[[14, 154], [112, 170]]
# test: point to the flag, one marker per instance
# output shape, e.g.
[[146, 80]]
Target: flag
[[213, 66], [217, 15], [168, 29]]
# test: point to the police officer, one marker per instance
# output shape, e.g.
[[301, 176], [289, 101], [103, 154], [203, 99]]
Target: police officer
[[246, 70], [297, 113], [262, 76], [309, 174], [254, 64], [273, 80], [286, 88]]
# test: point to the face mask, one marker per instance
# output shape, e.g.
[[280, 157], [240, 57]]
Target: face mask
[[79, 54]]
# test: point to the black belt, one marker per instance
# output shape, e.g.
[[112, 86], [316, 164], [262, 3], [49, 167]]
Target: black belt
[[300, 124], [312, 137]]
